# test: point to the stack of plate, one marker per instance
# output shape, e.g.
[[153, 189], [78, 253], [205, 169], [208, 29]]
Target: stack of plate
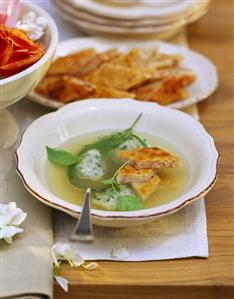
[[131, 17]]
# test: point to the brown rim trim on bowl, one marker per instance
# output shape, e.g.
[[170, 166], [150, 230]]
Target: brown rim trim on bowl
[[74, 213]]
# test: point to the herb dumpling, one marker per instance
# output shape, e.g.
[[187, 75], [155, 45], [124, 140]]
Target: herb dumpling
[[108, 198], [91, 166], [128, 145]]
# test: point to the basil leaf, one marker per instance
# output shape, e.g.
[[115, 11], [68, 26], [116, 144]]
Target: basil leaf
[[142, 142], [129, 203], [61, 157], [109, 181], [106, 143]]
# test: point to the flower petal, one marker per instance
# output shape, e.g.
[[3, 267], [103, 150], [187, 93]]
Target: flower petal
[[8, 240], [63, 252], [10, 218], [90, 266], [67, 252], [120, 253], [54, 257], [33, 26], [9, 231], [11, 215], [4, 220], [7, 208], [78, 260], [62, 282], [29, 17], [18, 217]]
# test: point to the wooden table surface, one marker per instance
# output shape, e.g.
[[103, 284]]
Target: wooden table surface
[[194, 277]]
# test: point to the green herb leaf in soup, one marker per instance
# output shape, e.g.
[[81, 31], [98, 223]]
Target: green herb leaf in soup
[[129, 203], [107, 143], [60, 156]]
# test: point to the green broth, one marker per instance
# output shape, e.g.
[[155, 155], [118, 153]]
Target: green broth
[[173, 180]]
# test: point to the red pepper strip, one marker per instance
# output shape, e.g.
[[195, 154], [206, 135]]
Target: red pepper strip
[[17, 51], [17, 66], [6, 51]]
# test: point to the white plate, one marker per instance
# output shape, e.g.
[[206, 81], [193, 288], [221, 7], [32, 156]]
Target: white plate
[[176, 127], [78, 17], [144, 9], [205, 84], [115, 31]]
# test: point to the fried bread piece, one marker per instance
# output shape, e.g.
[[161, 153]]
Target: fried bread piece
[[162, 92], [145, 189], [71, 88], [49, 84], [81, 63], [117, 77], [166, 86], [74, 89], [183, 76], [136, 58], [129, 59], [143, 58], [167, 60], [149, 157], [97, 60], [129, 174], [105, 92], [71, 64]]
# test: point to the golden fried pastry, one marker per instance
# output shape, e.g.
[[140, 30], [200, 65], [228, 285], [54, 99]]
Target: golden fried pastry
[[149, 157], [105, 92], [166, 86], [74, 89], [50, 85], [162, 92], [117, 77], [129, 174], [166, 60], [143, 74], [145, 189], [71, 64], [183, 76], [97, 60], [131, 59], [144, 58]]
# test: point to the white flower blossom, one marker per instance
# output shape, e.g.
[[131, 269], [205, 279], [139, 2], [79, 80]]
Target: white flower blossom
[[10, 218], [62, 282], [33, 25], [63, 252]]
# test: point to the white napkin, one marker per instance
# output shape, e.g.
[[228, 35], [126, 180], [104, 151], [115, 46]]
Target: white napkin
[[176, 236]]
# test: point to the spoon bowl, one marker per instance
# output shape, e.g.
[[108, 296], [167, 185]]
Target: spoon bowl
[[83, 230]]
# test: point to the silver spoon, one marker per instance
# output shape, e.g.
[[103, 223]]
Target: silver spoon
[[83, 230]]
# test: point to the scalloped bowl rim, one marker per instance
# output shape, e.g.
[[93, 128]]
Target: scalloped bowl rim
[[155, 212]]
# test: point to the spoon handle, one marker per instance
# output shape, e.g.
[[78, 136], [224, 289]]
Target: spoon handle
[[83, 230]]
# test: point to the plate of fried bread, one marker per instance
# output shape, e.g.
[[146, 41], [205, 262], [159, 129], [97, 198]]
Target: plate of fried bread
[[148, 71]]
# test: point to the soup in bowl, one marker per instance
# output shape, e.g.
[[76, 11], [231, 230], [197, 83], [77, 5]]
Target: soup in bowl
[[142, 161]]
